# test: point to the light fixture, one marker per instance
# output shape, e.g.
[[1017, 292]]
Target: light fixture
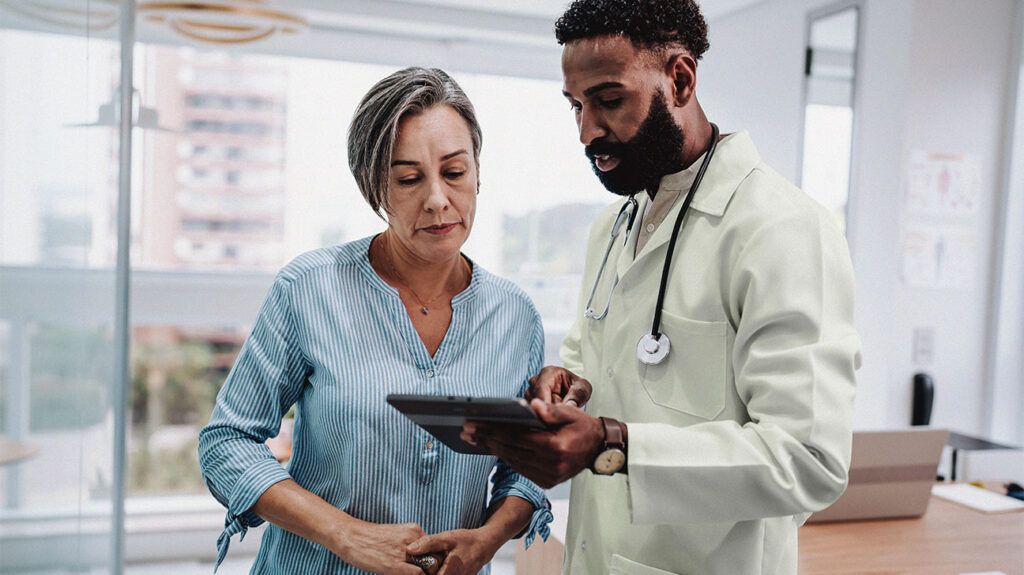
[[66, 14], [108, 116], [222, 21]]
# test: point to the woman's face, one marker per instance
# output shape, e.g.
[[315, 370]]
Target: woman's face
[[433, 184]]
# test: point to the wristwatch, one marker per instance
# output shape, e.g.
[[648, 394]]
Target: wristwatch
[[612, 457]]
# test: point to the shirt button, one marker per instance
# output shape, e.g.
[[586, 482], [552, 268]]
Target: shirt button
[[430, 373], [609, 372], [430, 444], [649, 228], [583, 546]]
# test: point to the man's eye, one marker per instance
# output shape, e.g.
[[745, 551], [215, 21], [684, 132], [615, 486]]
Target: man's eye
[[575, 106], [610, 104]]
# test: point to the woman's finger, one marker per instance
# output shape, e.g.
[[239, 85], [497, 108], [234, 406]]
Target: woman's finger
[[431, 543]]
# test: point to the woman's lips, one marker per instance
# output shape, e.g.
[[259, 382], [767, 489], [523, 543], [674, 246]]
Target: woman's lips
[[441, 230], [606, 163]]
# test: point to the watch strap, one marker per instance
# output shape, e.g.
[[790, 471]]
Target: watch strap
[[614, 434]]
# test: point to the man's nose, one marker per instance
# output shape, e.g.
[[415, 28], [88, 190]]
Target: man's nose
[[590, 127]]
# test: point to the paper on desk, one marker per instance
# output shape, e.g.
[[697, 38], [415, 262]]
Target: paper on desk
[[977, 498]]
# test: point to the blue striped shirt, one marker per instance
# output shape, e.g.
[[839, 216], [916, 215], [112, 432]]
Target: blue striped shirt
[[334, 339]]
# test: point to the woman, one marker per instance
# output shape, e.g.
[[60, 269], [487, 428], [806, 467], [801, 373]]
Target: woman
[[403, 312]]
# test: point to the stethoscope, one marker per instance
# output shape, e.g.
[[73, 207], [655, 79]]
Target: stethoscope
[[653, 347]]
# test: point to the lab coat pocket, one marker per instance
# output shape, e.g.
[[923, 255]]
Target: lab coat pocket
[[692, 379], [622, 566]]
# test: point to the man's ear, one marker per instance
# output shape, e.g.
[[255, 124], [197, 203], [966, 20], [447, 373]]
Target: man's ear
[[682, 69]]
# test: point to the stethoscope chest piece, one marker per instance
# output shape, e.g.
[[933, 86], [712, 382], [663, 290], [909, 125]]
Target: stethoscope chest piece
[[651, 350]]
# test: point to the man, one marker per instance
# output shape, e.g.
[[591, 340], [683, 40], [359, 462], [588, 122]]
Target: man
[[708, 459]]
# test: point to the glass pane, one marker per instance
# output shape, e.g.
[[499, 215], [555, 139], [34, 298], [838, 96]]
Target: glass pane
[[58, 184], [254, 172], [176, 373], [828, 116]]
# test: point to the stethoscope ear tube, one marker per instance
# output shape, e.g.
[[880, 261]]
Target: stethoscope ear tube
[[627, 211]]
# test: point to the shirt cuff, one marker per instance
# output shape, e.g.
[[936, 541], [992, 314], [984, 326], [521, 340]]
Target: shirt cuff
[[248, 489], [641, 506], [541, 518]]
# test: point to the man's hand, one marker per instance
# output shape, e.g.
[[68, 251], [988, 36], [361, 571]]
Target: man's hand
[[548, 456], [378, 548], [465, 551], [559, 385]]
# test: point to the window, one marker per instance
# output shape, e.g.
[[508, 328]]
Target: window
[[258, 174]]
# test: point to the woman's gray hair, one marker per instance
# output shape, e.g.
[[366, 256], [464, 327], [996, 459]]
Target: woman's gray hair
[[374, 127]]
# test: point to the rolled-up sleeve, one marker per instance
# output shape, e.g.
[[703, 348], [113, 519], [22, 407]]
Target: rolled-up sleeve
[[507, 482], [266, 380], [795, 354]]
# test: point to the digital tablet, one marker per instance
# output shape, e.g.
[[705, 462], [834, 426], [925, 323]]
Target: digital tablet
[[443, 415]]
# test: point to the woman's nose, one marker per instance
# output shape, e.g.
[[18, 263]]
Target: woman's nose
[[437, 199]]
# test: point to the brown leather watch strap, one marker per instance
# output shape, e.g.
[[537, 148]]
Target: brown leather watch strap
[[614, 433]]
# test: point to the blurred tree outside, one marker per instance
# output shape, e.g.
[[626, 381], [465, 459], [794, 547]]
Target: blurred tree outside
[[175, 379]]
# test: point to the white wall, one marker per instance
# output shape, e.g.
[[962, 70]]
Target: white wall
[[933, 76], [1007, 362]]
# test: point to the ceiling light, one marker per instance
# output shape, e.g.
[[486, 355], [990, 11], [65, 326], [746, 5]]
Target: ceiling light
[[222, 21]]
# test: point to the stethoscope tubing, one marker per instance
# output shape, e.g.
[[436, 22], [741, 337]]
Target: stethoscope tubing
[[656, 325], [659, 343]]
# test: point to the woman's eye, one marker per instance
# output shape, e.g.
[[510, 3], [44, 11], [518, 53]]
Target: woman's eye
[[454, 175], [408, 181]]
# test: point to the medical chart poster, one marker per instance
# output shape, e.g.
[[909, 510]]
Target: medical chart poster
[[936, 256], [942, 185]]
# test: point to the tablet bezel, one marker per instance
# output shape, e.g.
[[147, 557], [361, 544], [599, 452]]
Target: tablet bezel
[[443, 415]]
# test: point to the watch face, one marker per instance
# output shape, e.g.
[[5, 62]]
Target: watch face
[[610, 461]]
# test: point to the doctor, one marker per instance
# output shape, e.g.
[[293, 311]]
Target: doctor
[[714, 340]]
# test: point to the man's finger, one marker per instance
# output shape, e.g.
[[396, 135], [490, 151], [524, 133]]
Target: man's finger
[[538, 390], [555, 414], [579, 394]]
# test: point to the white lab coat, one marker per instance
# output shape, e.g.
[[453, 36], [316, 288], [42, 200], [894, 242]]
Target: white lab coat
[[746, 427]]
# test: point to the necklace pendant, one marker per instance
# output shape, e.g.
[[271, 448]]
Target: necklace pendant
[[425, 310]]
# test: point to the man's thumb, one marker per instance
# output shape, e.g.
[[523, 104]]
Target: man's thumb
[[553, 414]]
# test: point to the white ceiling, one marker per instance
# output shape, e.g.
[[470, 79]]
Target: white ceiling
[[510, 37], [552, 9]]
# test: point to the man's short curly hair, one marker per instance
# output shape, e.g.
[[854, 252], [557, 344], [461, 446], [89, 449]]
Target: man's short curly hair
[[649, 24]]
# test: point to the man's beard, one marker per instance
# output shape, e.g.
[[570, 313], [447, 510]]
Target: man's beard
[[655, 150]]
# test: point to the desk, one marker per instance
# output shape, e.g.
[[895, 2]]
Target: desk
[[949, 539]]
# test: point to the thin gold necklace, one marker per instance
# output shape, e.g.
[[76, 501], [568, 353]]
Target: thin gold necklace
[[424, 305]]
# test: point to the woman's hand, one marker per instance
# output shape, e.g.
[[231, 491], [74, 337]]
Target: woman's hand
[[378, 548], [559, 385], [466, 551]]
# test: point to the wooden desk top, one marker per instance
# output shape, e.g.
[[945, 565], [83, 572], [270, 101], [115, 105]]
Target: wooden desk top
[[948, 539]]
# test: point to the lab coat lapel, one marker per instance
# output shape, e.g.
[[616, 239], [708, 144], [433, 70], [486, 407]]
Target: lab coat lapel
[[734, 159]]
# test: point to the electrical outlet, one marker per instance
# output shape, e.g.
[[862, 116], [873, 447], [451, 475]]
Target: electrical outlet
[[923, 350]]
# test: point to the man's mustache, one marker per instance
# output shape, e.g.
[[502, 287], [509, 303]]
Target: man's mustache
[[600, 148]]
